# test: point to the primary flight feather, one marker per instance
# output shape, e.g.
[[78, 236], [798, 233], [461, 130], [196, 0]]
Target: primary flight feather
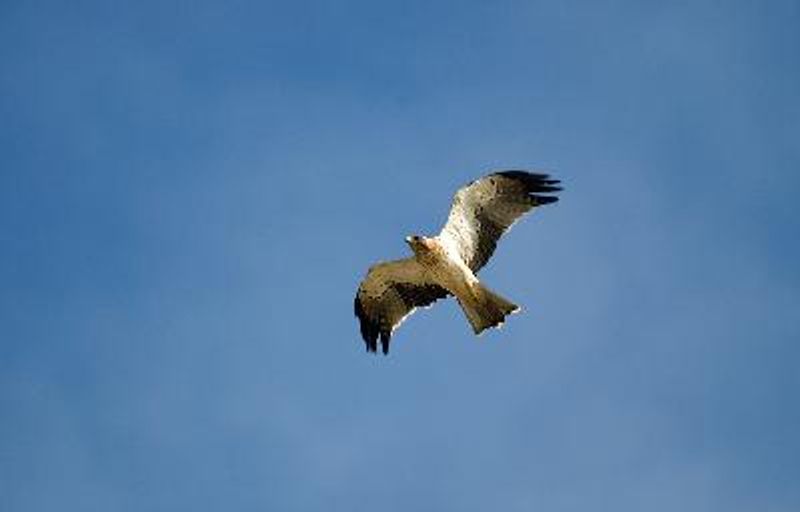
[[446, 264]]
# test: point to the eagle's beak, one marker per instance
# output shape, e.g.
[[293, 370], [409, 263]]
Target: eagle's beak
[[408, 239]]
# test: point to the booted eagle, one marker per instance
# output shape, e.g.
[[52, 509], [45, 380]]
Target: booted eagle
[[446, 264]]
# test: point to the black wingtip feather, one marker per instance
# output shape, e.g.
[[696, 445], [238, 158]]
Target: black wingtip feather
[[385, 337], [523, 175], [542, 200]]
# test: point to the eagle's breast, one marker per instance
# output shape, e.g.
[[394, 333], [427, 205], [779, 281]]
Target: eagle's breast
[[445, 267]]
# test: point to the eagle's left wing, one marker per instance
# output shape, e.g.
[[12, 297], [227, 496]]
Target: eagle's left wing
[[388, 295], [486, 208]]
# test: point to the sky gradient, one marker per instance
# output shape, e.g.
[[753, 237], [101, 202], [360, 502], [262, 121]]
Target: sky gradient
[[190, 193]]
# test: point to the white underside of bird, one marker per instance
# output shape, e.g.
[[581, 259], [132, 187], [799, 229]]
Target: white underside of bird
[[443, 266]]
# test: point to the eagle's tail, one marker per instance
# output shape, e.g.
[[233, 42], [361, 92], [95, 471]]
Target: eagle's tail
[[485, 309]]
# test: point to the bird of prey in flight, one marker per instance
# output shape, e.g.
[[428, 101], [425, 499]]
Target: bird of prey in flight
[[446, 264]]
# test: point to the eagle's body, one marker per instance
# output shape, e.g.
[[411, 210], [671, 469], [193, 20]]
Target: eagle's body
[[446, 264], [442, 266]]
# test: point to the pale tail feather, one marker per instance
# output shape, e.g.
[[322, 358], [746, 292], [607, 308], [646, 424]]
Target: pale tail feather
[[486, 309]]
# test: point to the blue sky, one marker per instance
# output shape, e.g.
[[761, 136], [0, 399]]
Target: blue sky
[[191, 192]]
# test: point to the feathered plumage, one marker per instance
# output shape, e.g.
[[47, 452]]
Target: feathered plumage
[[388, 295], [446, 264], [486, 208]]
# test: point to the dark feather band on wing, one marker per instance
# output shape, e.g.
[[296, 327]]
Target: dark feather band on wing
[[380, 324], [536, 184]]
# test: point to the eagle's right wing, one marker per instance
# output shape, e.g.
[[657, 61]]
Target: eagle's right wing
[[388, 295]]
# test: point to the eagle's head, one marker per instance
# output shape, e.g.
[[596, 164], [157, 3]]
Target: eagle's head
[[419, 244]]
